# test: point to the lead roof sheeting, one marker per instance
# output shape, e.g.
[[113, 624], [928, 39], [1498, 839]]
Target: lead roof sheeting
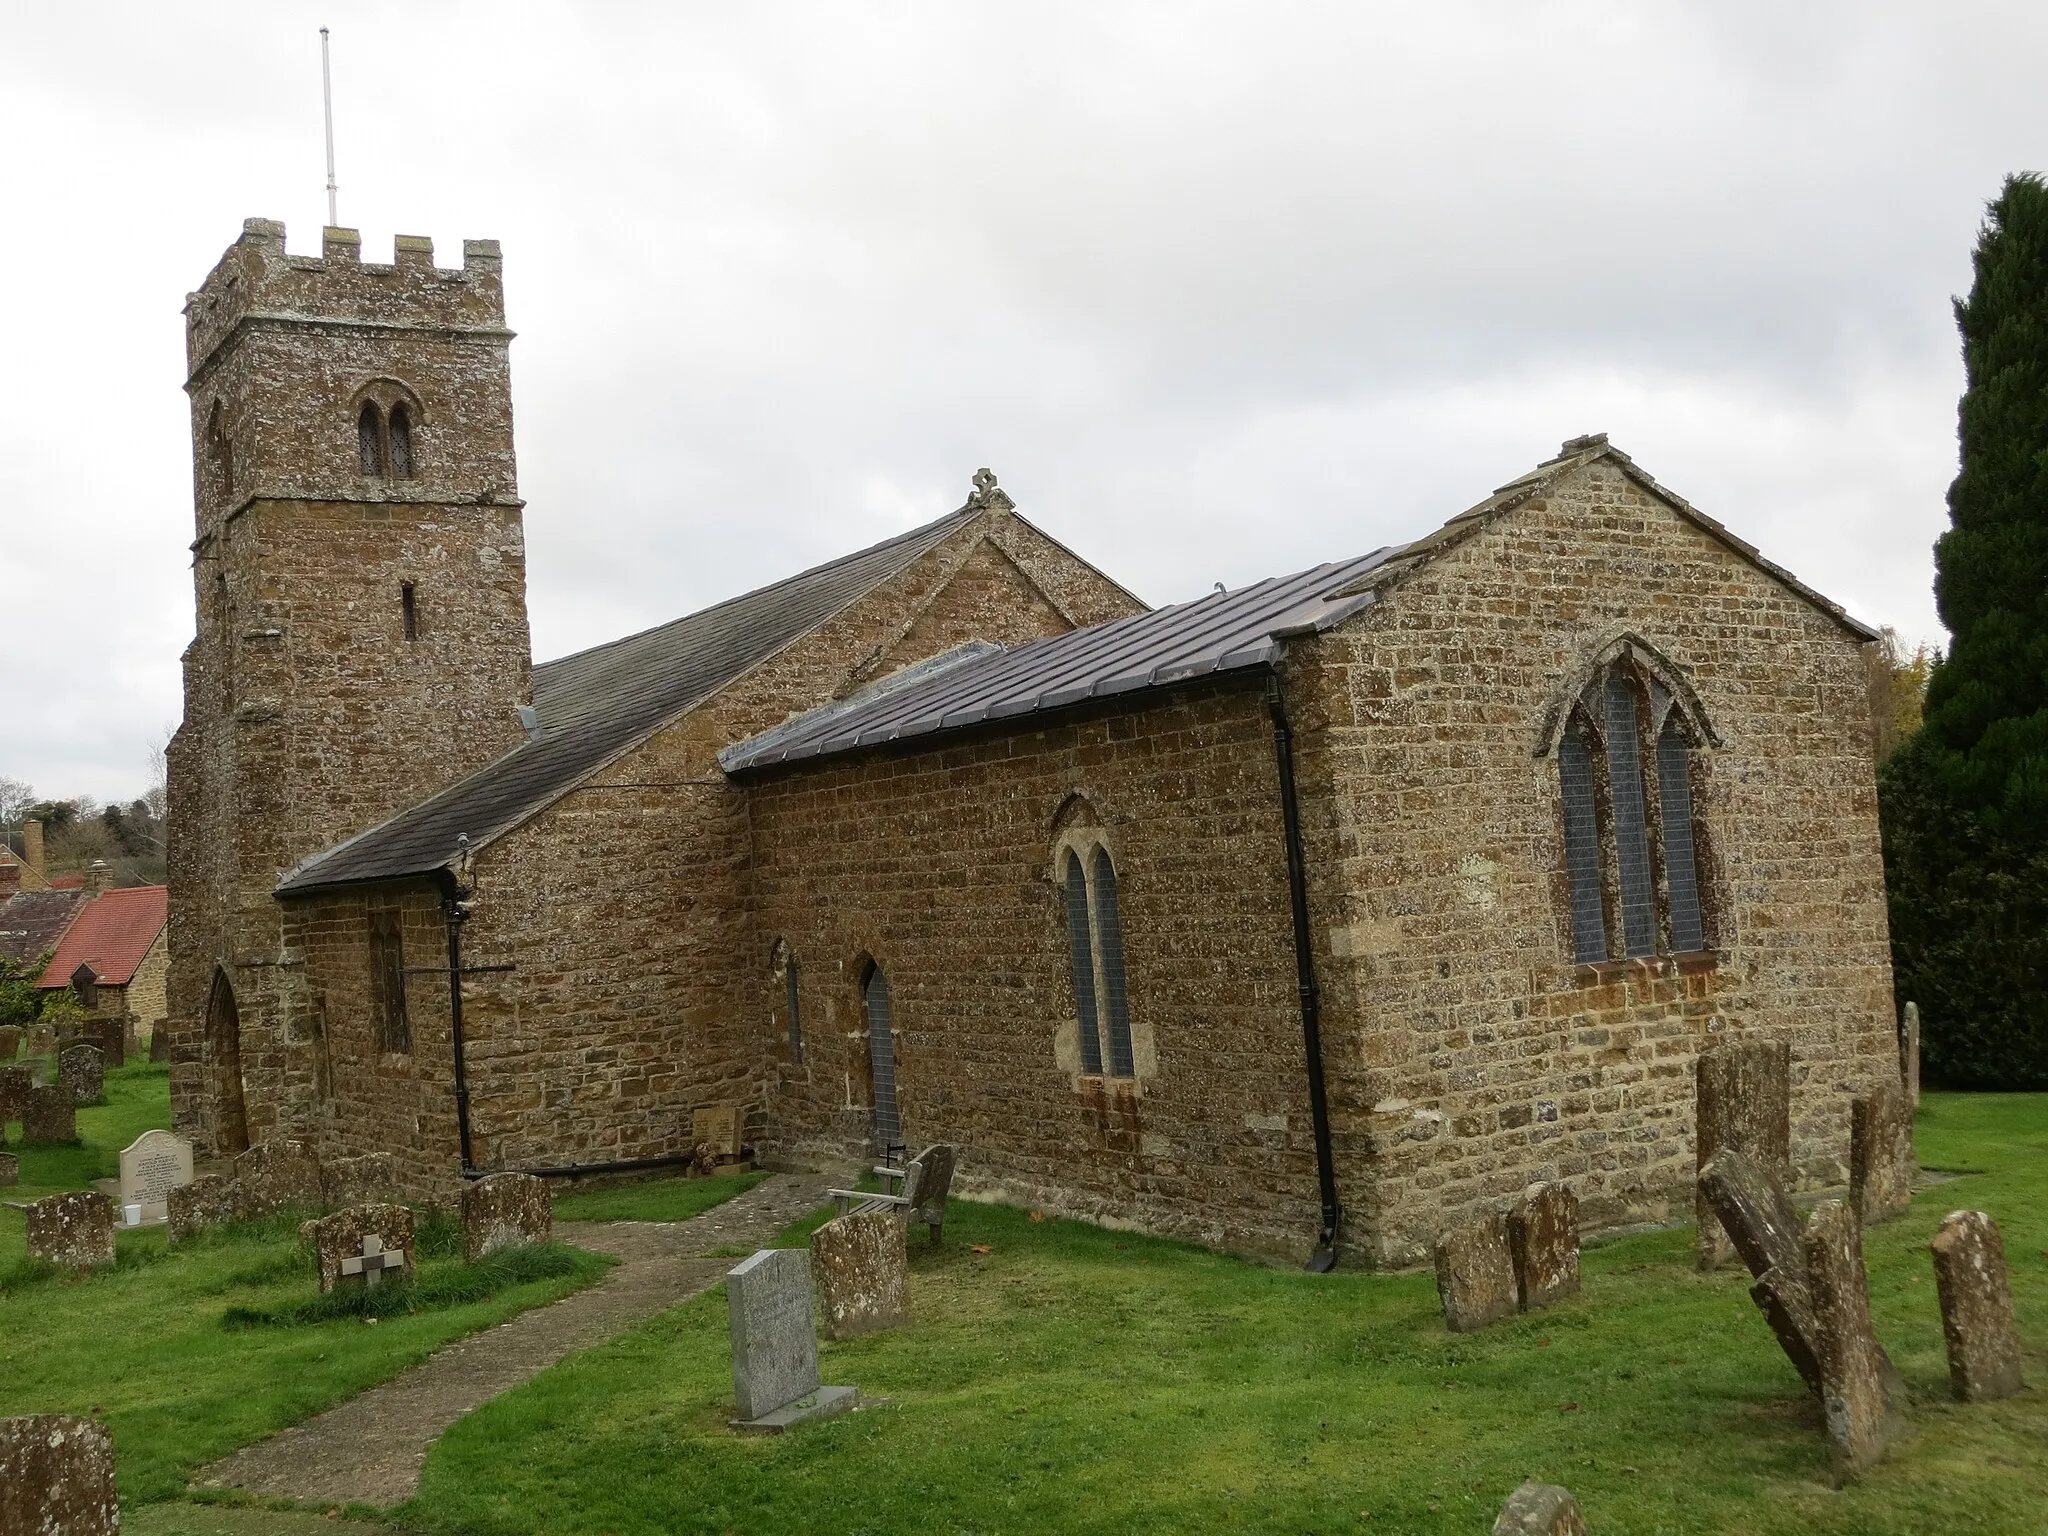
[[1225, 632], [594, 704]]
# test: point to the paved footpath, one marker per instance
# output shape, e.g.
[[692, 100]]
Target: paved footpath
[[369, 1450]]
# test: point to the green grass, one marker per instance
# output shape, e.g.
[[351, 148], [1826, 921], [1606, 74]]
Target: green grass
[[1074, 1379], [653, 1199], [137, 1098]]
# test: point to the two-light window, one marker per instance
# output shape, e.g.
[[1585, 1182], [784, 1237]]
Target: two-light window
[[1095, 936], [384, 441], [1625, 772]]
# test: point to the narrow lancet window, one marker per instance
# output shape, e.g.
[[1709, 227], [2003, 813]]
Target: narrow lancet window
[[387, 983], [1582, 848], [882, 1059], [401, 443], [1631, 829], [796, 1024], [1082, 950], [1109, 953], [370, 441], [409, 609], [1681, 865]]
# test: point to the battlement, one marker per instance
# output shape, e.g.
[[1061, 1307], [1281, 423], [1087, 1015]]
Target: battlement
[[255, 277]]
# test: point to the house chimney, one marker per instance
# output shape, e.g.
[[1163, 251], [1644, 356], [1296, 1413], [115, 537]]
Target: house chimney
[[10, 875], [98, 877], [32, 848]]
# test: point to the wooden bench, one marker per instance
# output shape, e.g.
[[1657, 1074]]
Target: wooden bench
[[926, 1181]]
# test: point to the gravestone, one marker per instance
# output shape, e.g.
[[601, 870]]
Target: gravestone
[[153, 1165], [1543, 1236], [50, 1114], [278, 1175], [1881, 1161], [160, 1043], [42, 1039], [57, 1477], [74, 1230], [208, 1201], [111, 1036], [370, 1179], [1475, 1274], [10, 1041], [775, 1344], [1862, 1420], [1909, 1055], [505, 1210], [1540, 1509], [362, 1244], [83, 1070], [1976, 1308], [10, 1170], [15, 1083], [863, 1272], [1742, 1097]]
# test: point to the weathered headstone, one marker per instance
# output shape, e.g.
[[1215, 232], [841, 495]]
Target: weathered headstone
[[278, 1175], [111, 1036], [1881, 1161], [505, 1210], [1742, 1100], [74, 1230], [1976, 1308], [10, 1041], [863, 1273], [57, 1477], [42, 1039], [370, 1179], [15, 1083], [369, 1241], [153, 1165], [160, 1043], [10, 1170], [1862, 1420], [83, 1070], [1543, 1235], [1540, 1509], [50, 1114], [208, 1201], [775, 1344], [1475, 1274], [1909, 1055]]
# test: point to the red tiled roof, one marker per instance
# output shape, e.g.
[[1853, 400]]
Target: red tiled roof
[[111, 935]]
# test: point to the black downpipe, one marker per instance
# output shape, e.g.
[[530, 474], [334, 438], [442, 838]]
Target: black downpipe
[[1325, 1256], [454, 910]]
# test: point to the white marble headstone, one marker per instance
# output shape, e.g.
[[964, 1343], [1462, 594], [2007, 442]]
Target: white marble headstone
[[155, 1164]]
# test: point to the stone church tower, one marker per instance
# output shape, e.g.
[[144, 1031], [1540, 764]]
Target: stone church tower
[[360, 582]]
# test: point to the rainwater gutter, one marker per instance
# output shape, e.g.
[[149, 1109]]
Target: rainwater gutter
[[1325, 1257]]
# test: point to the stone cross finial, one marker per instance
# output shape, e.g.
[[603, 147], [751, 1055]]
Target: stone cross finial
[[986, 492]]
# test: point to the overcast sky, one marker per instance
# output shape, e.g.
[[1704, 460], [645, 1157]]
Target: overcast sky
[[1218, 291]]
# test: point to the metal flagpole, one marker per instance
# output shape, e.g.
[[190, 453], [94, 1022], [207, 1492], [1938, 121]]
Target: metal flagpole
[[327, 108]]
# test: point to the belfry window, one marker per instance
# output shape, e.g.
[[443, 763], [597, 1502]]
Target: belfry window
[[370, 440], [1625, 754], [1095, 940], [220, 449], [401, 443], [387, 983]]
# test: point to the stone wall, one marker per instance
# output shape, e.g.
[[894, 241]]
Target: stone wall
[[146, 1002]]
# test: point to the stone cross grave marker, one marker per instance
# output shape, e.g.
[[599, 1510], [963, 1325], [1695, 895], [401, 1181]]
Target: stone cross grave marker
[[1742, 1095], [57, 1477], [1909, 1055], [1540, 1509], [1976, 1308], [863, 1272], [83, 1069], [153, 1165], [373, 1260], [1543, 1234], [74, 1230], [1881, 1160], [775, 1344], [1475, 1274], [363, 1242]]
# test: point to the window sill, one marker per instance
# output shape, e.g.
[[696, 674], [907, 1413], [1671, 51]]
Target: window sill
[[1646, 967]]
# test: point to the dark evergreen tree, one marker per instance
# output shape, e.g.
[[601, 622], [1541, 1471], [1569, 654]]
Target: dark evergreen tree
[[1966, 801]]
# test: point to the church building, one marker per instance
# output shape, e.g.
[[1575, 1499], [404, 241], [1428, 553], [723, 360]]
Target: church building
[[1299, 919]]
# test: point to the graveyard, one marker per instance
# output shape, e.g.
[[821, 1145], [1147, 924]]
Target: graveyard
[[1049, 1375]]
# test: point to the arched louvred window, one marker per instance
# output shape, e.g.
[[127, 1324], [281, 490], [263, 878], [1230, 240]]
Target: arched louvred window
[[796, 1023], [874, 994], [1582, 846], [1631, 827], [370, 440], [1109, 954], [221, 450], [1681, 861], [401, 443], [1081, 947]]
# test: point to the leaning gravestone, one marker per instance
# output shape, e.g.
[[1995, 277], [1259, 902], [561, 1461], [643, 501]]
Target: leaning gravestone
[[505, 1210], [208, 1201], [278, 1175], [1475, 1274], [15, 1084], [10, 1041], [153, 1165], [1862, 1419], [370, 1179], [1540, 1509], [1976, 1308], [1881, 1161], [10, 1170], [369, 1241], [1543, 1235], [57, 1477], [83, 1070], [1742, 1100], [1909, 1055], [74, 1230], [863, 1273], [775, 1344], [50, 1114]]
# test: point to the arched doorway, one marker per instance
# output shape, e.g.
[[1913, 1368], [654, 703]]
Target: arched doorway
[[224, 1057], [874, 999]]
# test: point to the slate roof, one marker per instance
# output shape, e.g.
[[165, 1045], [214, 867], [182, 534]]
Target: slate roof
[[593, 705], [32, 922], [111, 935], [1222, 633]]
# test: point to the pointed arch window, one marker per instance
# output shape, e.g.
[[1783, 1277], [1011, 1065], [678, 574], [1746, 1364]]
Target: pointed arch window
[[370, 440], [401, 443], [1626, 746], [1095, 941]]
